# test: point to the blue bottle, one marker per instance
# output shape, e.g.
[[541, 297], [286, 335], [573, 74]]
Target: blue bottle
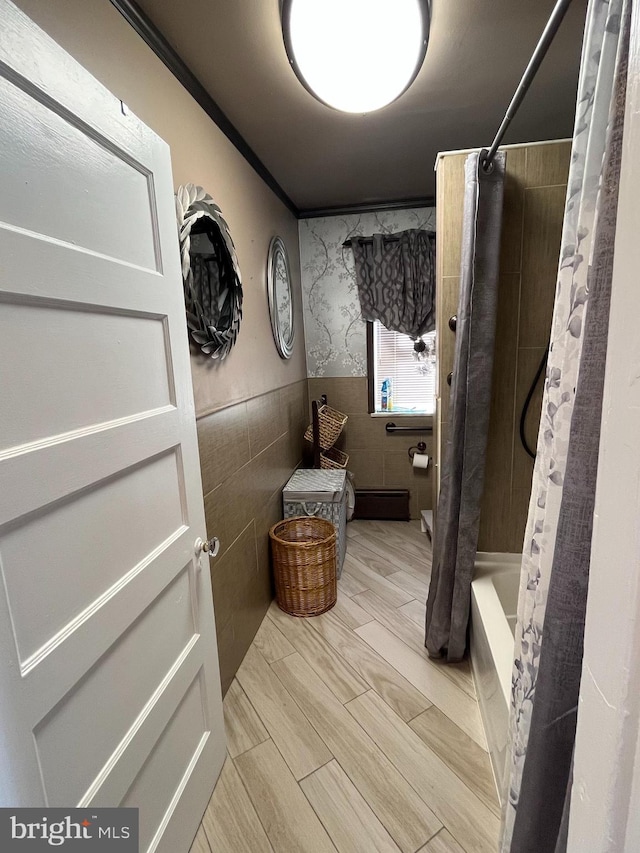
[[384, 397]]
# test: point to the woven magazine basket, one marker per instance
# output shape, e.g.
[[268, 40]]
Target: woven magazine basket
[[334, 459], [331, 423], [304, 565]]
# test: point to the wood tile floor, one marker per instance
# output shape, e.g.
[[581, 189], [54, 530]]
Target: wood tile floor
[[343, 735]]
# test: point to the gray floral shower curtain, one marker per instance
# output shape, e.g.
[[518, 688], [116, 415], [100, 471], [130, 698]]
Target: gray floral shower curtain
[[456, 534], [556, 556], [395, 276]]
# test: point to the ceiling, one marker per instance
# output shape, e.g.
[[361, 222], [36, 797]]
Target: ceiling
[[322, 158]]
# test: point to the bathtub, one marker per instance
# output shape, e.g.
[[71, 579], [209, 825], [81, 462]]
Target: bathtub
[[494, 602]]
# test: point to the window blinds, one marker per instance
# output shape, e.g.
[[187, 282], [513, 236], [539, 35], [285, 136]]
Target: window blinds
[[411, 391]]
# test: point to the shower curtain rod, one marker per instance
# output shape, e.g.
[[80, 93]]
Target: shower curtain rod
[[531, 70]]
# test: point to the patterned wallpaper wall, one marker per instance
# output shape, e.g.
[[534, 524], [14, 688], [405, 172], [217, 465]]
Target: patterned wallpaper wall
[[334, 331]]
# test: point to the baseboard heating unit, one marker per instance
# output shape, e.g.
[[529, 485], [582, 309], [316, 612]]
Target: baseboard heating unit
[[382, 504]]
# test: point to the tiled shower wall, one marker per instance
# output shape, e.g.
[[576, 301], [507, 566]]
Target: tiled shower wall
[[533, 212], [247, 453]]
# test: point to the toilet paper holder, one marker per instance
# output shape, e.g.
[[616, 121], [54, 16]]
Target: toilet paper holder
[[420, 447]]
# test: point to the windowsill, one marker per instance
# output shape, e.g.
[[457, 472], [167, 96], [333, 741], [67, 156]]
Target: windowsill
[[393, 415]]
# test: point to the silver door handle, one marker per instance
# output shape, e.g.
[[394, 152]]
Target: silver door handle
[[209, 547]]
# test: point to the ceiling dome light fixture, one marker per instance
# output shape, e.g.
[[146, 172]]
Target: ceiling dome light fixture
[[356, 55]]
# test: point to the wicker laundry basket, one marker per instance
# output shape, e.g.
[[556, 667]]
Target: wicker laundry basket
[[304, 565]]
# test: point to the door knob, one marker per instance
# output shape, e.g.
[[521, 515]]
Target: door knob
[[210, 546]]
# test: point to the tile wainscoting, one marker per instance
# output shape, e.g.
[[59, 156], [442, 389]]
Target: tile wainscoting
[[376, 458], [247, 453]]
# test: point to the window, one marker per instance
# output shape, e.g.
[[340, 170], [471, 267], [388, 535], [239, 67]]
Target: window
[[390, 356]]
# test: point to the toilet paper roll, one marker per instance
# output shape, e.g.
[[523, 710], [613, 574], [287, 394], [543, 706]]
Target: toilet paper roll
[[420, 460]]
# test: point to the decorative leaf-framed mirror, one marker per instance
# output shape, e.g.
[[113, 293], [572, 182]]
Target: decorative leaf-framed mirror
[[210, 272], [280, 293]]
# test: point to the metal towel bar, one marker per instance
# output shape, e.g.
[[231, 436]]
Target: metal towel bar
[[391, 427]]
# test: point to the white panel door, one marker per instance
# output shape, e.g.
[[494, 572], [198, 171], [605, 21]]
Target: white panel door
[[109, 683]]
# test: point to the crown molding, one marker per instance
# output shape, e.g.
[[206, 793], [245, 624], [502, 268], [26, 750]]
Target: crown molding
[[148, 31]]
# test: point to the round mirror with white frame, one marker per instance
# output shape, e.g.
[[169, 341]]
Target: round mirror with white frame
[[280, 294]]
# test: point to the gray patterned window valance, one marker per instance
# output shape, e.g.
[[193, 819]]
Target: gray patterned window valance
[[395, 275]]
